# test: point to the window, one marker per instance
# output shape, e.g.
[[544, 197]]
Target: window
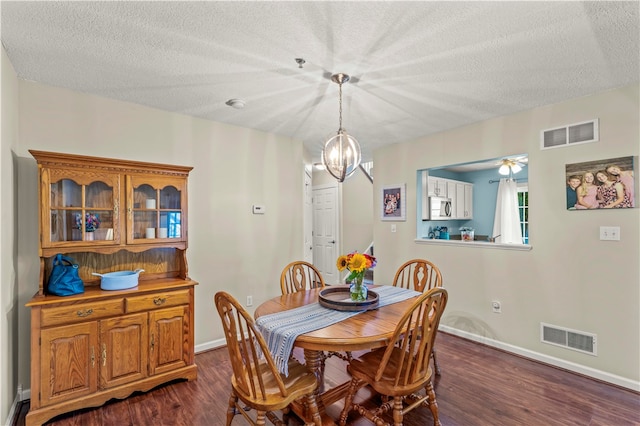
[[174, 225], [523, 209]]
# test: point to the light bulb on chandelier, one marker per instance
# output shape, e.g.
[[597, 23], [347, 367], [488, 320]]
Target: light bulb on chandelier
[[509, 166], [341, 154]]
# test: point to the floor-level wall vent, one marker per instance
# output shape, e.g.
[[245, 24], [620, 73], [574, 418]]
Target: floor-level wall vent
[[570, 134], [567, 338]]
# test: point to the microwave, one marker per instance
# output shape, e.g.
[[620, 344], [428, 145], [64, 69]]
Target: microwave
[[439, 208]]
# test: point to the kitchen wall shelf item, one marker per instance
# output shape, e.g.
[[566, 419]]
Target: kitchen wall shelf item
[[120, 280], [89, 348]]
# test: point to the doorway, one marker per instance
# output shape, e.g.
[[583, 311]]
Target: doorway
[[326, 232], [308, 219]]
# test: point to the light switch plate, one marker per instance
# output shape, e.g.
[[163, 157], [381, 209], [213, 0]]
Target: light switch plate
[[259, 209], [610, 233]]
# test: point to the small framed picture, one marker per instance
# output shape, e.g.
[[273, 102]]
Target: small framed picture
[[394, 205], [601, 184]]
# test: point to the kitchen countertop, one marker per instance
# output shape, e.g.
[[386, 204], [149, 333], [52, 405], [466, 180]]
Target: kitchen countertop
[[474, 244]]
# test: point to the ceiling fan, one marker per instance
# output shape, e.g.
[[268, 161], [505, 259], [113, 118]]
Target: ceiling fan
[[510, 166]]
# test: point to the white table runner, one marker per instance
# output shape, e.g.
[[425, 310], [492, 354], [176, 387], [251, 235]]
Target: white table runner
[[281, 329]]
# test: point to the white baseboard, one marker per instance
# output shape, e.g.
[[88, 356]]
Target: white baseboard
[[12, 410], [560, 363], [210, 345], [21, 395]]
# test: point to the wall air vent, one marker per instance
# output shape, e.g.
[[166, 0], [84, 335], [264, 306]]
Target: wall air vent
[[567, 338], [571, 134]]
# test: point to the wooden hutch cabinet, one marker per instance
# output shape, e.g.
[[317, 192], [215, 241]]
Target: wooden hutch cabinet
[[110, 215]]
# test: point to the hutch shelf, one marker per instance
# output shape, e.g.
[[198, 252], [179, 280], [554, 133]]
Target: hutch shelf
[[110, 215]]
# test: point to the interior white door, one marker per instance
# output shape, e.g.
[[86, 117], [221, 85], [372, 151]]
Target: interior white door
[[308, 219], [325, 232]]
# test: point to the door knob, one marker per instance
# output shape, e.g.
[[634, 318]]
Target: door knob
[[332, 241]]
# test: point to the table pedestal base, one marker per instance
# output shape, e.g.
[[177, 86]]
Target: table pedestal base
[[315, 363]]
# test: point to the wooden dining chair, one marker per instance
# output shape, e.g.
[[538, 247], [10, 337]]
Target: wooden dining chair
[[256, 380], [300, 276], [399, 370], [419, 275]]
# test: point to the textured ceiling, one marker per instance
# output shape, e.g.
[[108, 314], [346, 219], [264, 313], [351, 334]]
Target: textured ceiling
[[418, 68]]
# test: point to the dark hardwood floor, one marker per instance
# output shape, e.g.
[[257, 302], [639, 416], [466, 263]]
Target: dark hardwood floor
[[479, 385]]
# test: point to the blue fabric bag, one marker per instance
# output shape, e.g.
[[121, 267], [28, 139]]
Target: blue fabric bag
[[64, 279]]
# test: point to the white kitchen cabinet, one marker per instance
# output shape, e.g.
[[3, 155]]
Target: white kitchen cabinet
[[460, 193], [464, 201], [458, 201], [438, 187]]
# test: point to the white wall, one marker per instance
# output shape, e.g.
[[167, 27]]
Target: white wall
[[229, 248], [570, 278], [8, 280], [356, 211]]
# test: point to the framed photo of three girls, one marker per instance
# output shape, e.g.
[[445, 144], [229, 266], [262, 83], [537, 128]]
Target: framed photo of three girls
[[601, 184]]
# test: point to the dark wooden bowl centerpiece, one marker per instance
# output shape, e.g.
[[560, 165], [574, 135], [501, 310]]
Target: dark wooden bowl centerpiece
[[339, 298]]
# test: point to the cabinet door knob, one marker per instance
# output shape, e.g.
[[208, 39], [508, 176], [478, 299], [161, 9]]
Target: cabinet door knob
[[153, 342], [93, 356], [104, 354]]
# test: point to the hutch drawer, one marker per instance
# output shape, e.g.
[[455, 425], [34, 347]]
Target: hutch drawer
[[81, 312], [156, 300]]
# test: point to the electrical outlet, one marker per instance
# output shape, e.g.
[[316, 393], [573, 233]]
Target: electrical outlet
[[249, 300], [496, 307]]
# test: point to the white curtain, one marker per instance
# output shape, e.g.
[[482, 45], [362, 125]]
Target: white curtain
[[507, 220]]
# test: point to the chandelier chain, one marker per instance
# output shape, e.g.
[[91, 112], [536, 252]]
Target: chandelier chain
[[340, 127]]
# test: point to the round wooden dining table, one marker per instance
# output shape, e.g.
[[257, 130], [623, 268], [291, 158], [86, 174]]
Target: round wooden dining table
[[367, 330]]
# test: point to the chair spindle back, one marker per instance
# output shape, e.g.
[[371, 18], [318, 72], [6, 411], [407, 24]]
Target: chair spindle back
[[247, 349], [414, 336], [300, 276], [419, 275]]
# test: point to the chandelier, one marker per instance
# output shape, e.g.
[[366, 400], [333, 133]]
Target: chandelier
[[341, 153]]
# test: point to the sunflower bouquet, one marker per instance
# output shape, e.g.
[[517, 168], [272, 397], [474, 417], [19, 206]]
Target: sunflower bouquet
[[357, 264]]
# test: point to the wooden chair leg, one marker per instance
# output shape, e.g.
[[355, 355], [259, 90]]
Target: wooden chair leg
[[231, 410], [436, 366], [433, 404], [261, 418], [397, 410], [312, 408], [274, 419], [348, 401]]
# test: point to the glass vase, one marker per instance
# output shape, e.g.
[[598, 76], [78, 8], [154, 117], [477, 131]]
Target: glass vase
[[358, 290]]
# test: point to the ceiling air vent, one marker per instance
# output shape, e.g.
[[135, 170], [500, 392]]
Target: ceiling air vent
[[567, 338], [570, 135]]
